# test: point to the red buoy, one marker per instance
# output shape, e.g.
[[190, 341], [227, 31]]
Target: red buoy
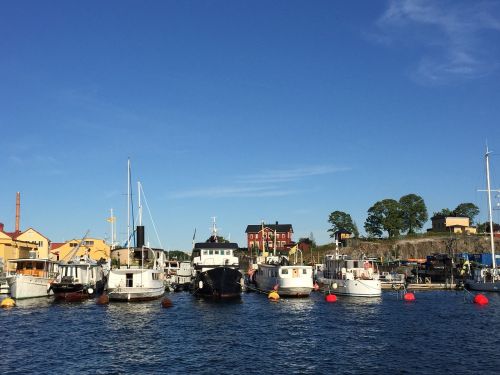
[[103, 299], [409, 297], [166, 303], [330, 298], [481, 299]]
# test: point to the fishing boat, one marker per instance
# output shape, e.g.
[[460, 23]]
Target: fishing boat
[[136, 273], [350, 277], [289, 280], [79, 279], [215, 269], [31, 277], [179, 275], [486, 279]]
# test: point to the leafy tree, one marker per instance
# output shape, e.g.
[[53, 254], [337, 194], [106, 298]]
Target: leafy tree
[[485, 227], [469, 210], [443, 212], [384, 215], [342, 220], [308, 241], [413, 212]]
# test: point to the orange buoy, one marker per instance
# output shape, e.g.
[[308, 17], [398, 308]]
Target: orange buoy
[[409, 297], [273, 296], [330, 298], [103, 299], [7, 302], [481, 299], [166, 303]]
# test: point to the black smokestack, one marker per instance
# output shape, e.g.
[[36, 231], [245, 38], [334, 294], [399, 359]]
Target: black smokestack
[[140, 236]]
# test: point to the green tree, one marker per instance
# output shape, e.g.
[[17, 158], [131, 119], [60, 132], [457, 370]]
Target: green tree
[[469, 210], [443, 212], [386, 216], [413, 212], [342, 220]]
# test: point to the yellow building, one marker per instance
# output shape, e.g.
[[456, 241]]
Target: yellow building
[[11, 248], [95, 248], [32, 236], [454, 224]]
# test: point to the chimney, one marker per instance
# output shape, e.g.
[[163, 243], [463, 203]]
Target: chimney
[[18, 209], [140, 236]]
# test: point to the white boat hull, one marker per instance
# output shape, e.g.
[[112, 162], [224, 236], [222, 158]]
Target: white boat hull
[[353, 288], [135, 284], [23, 286], [294, 284]]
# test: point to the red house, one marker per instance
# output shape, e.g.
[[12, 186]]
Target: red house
[[261, 236]]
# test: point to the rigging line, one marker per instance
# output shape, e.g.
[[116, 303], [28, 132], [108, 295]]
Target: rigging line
[[151, 217]]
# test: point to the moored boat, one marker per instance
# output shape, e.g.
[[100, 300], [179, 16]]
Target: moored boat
[[31, 277], [289, 280], [350, 277], [215, 269]]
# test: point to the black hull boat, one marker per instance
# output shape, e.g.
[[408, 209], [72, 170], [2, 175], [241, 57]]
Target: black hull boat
[[68, 290], [218, 283]]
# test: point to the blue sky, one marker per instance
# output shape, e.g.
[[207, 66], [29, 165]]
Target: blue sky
[[244, 110]]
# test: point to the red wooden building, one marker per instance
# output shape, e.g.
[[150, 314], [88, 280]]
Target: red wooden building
[[261, 236]]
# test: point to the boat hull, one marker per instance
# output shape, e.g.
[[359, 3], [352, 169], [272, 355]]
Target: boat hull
[[24, 286], [132, 294], [76, 291], [293, 283], [218, 283], [353, 288], [483, 286]]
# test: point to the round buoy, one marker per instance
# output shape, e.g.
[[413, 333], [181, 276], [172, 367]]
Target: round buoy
[[166, 303], [409, 297], [273, 296], [103, 299], [481, 299], [330, 298], [8, 302]]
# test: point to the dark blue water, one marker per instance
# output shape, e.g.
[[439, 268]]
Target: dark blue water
[[440, 332]]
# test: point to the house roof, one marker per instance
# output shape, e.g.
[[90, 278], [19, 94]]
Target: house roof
[[272, 227]]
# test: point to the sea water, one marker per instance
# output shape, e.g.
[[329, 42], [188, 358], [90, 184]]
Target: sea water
[[441, 332]]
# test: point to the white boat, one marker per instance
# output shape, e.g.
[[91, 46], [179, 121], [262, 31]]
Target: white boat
[[487, 279], [140, 276], [350, 277], [288, 280], [31, 278]]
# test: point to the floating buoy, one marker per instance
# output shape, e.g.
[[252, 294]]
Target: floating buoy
[[330, 298], [166, 303], [273, 296], [409, 297], [481, 299], [8, 302], [103, 299]]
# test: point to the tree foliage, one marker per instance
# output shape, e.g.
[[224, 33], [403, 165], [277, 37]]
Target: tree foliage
[[469, 210], [384, 215], [341, 220], [413, 212]]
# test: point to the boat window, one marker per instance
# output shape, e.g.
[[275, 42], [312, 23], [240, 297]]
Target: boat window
[[129, 280], [205, 252], [228, 252], [304, 271], [39, 266], [284, 271], [210, 252], [29, 266], [216, 252]]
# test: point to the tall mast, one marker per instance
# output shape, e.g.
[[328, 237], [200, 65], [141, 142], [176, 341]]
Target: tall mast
[[490, 216], [112, 222], [128, 214]]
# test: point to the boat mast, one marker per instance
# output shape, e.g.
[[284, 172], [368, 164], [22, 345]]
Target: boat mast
[[490, 216], [128, 214]]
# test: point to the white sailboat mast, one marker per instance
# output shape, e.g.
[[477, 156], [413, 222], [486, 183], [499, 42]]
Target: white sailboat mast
[[490, 216], [112, 219], [128, 214]]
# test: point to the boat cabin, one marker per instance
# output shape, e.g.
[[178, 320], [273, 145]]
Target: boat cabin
[[34, 267], [211, 254]]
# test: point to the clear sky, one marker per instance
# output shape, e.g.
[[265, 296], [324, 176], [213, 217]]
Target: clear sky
[[244, 110]]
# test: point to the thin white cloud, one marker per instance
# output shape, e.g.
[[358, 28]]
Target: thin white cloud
[[269, 183], [40, 164], [452, 34], [278, 175]]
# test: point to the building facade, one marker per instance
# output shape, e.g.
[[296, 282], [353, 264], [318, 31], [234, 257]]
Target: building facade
[[13, 248], [453, 224], [263, 237], [93, 247]]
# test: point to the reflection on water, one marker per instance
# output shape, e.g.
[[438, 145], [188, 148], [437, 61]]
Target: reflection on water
[[353, 335]]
